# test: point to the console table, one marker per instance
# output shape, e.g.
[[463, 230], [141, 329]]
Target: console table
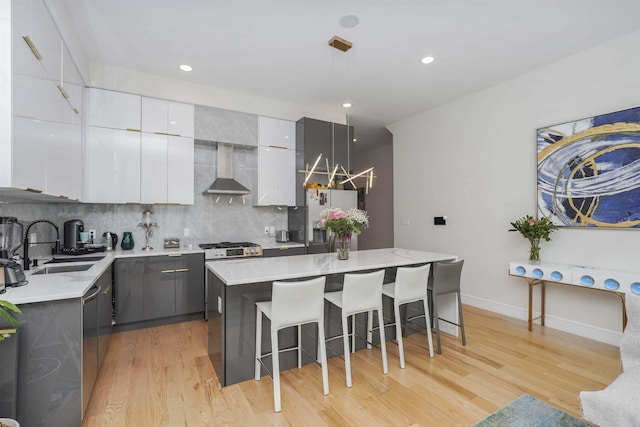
[[618, 282]]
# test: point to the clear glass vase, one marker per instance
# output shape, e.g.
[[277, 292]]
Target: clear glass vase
[[534, 251], [343, 245]]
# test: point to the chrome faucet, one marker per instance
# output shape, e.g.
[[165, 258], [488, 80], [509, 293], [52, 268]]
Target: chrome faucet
[[55, 249]]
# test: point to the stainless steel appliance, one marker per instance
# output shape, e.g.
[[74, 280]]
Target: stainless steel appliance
[[230, 250], [282, 236], [11, 274], [10, 236]]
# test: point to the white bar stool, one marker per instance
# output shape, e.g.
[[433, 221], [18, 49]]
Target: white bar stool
[[410, 285], [361, 293], [292, 304]]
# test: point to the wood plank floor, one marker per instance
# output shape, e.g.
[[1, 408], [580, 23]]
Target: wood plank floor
[[162, 377]]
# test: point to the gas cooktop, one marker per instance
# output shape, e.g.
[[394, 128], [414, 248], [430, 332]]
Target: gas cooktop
[[230, 250]]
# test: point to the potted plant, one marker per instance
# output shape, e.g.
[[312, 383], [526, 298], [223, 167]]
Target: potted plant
[[534, 230], [343, 225]]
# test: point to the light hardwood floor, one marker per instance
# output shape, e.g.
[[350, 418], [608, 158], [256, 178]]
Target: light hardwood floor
[[162, 377]]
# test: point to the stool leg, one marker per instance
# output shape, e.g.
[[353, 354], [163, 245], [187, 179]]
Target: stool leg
[[383, 343], [436, 321], [427, 319], [275, 357], [322, 351], [369, 328], [464, 338], [258, 343], [299, 327], [347, 357], [396, 314], [353, 333]]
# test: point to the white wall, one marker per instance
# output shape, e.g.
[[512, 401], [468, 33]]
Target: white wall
[[474, 160]]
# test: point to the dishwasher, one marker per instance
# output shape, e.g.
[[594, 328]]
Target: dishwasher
[[89, 343]]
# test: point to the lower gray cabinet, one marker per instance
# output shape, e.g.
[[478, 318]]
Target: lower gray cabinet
[[156, 287], [283, 252], [129, 290], [50, 368]]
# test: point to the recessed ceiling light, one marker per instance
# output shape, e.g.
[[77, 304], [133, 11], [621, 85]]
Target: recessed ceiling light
[[185, 67], [347, 105], [349, 21], [427, 59]]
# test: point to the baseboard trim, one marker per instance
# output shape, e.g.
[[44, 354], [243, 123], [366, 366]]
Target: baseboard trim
[[581, 329]]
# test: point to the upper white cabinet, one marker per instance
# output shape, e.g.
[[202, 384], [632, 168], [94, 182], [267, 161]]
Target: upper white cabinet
[[276, 133], [42, 146], [115, 110], [112, 159], [276, 162], [164, 172], [167, 117]]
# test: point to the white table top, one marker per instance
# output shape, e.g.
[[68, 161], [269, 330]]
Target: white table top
[[51, 287], [255, 270]]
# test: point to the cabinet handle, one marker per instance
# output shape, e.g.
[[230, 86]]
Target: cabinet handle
[[181, 270], [167, 271], [106, 291], [133, 130], [7, 331], [75, 110], [63, 92], [174, 255], [132, 203], [166, 203], [167, 134], [33, 48], [278, 146], [33, 190]]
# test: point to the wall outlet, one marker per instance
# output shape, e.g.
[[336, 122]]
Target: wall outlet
[[272, 231], [32, 238], [92, 235], [186, 232], [266, 229]]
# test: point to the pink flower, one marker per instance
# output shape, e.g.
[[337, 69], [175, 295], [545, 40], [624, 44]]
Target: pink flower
[[531, 222], [337, 215]]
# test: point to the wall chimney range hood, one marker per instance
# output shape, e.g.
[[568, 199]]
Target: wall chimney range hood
[[224, 183]]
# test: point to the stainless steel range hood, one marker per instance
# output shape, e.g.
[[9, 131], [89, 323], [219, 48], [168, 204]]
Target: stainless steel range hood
[[224, 183]]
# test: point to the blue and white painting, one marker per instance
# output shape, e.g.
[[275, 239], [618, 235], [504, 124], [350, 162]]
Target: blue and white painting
[[589, 171]]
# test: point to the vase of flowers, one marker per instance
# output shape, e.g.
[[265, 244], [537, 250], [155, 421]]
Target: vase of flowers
[[344, 224], [534, 230]]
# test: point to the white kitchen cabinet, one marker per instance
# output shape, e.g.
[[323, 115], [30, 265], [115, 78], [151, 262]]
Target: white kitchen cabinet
[[115, 110], [64, 162], [153, 168], [180, 166], [167, 117], [167, 167], [30, 154], [276, 133], [276, 176], [276, 162], [112, 161]]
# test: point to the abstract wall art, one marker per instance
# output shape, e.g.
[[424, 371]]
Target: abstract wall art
[[589, 171]]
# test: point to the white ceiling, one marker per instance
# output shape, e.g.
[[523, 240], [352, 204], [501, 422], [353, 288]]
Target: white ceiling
[[278, 49]]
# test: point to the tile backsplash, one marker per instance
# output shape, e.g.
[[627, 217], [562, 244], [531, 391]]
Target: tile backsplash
[[208, 220]]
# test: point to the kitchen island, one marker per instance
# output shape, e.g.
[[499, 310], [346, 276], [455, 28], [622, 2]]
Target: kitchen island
[[234, 286]]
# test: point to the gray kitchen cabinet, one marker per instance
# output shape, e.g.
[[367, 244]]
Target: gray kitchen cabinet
[[190, 286], [129, 290], [105, 313], [9, 372], [50, 368], [333, 140], [158, 287], [268, 253]]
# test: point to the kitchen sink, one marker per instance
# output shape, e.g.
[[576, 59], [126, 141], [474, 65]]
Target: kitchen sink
[[63, 269], [79, 259]]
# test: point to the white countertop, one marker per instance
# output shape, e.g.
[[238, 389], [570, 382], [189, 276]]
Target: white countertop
[[57, 286], [254, 270]]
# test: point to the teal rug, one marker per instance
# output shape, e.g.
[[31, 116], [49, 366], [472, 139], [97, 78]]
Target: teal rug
[[527, 411]]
